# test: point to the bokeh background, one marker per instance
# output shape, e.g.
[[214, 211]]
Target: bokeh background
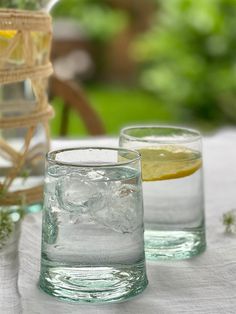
[[120, 62]]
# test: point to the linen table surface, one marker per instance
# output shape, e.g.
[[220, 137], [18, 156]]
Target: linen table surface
[[205, 284]]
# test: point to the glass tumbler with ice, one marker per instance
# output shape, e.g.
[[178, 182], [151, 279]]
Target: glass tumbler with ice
[[92, 234]]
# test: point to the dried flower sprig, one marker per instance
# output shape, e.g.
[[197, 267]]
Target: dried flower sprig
[[7, 223], [6, 227], [229, 220]]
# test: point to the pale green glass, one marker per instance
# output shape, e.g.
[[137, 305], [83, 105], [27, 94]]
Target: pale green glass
[[92, 235], [174, 207]]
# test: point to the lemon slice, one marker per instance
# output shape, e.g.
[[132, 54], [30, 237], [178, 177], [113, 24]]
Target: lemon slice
[[171, 162], [7, 34], [40, 45], [6, 37]]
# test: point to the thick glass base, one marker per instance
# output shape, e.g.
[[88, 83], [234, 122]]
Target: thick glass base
[[93, 284], [173, 245]]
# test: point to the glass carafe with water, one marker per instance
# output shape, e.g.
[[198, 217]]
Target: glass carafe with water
[[25, 42]]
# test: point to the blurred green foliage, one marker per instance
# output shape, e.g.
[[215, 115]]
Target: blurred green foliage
[[24, 4], [98, 19], [117, 106], [188, 57]]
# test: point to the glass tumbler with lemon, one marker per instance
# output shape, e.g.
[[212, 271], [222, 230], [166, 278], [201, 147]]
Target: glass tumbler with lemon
[[173, 189]]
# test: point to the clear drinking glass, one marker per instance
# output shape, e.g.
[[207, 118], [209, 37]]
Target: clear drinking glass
[[173, 189], [92, 234]]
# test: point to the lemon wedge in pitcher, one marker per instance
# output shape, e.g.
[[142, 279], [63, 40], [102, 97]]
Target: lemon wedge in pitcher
[[7, 34]]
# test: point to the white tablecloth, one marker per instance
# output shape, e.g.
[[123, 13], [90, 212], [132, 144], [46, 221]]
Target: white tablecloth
[[205, 284]]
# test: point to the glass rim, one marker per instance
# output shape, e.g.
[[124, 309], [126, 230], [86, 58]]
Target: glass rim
[[93, 164], [196, 135]]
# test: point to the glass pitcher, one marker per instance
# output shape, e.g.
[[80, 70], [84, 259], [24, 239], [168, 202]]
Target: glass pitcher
[[25, 44]]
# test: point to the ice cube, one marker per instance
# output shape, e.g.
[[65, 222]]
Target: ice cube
[[78, 196], [57, 171], [122, 209]]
